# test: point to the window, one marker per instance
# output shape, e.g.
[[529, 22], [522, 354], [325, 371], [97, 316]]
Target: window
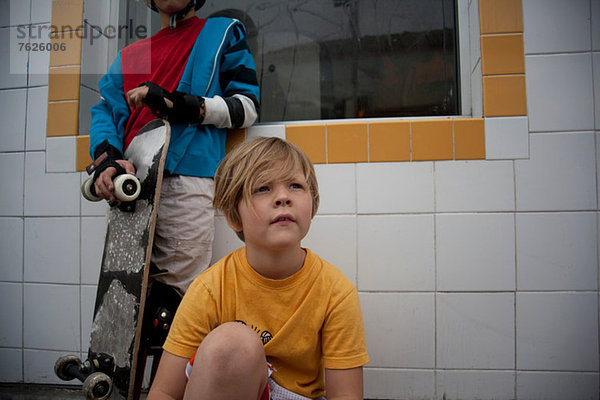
[[336, 59]]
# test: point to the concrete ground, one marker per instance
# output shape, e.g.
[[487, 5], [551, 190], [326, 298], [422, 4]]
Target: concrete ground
[[41, 392]]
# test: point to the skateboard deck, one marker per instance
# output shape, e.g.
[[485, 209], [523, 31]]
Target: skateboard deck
[[117, 324]]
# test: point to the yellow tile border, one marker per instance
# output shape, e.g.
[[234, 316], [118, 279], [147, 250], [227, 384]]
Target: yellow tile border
[[495, 18], [64, 74]]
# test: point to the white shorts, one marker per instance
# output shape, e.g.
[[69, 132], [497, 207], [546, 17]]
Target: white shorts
[[184, 231], [275, 391]]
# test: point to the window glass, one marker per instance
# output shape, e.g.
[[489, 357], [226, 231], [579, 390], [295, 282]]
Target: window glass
[[335, 59]]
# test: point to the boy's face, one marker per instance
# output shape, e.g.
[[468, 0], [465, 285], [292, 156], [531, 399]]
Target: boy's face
[[279, 214]]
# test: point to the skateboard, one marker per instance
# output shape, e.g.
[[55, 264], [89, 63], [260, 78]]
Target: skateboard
[[116, 345]]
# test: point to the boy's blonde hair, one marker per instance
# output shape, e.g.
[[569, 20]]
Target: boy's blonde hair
[[258, 160]]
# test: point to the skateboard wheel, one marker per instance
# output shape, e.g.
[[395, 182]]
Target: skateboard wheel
[[63, 363], [86, 191], [97, 386], [127, 187]]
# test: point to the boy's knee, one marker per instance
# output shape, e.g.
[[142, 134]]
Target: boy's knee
[[232, 345]]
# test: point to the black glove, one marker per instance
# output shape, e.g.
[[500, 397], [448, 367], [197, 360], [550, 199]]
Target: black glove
[[105, 155], [186, 107]]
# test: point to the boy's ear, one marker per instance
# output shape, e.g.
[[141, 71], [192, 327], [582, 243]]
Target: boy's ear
[[232, 225]]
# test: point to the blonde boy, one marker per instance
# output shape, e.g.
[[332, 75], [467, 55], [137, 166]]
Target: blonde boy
[[272, 318]]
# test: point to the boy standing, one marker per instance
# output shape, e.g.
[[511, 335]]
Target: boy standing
[[200, 76], [271, 316]]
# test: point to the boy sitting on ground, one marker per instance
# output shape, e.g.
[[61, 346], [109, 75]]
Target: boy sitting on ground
[[272, 319]]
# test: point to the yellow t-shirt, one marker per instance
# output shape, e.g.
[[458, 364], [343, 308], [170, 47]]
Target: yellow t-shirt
[[308, 321]]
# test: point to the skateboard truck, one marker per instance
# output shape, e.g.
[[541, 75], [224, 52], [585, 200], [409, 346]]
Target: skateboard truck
[[94, 373]]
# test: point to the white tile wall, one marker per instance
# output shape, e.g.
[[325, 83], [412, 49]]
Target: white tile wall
[[596, 86], [337, 188], [38, 366], [225, 240], [13, 64], [598, 167], [506, 138], [557, 251], [467, 186], [560, 175], [18, 15], [11, 329], [408, 188], [396, 253], [94, 56], [94, 51], [96, 13], [87, 99], [12, 114], [564, 83], [458, 385], [557, 331], [12, 167], [49, 194], [39, 61], [11, 250], [41, 11], [61, 154], [475, 331], [571, 34], [557, 385], [266, 131], [382, 383], [37, 112], [595, 10], [333, 238], [400, 329], [11, 365], [50, 256], [51, 317], [475, 252], [93, 231]]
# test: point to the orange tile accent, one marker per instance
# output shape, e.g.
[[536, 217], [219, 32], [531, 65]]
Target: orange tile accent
[[234, 137], [72, 53], [504, 96], [469, 139], [432, 140], [389, 141], [502, 54], [312, 139], [500, 16], [63, 83], [63, 118], [347, 143], [82, 144], [67, 15]]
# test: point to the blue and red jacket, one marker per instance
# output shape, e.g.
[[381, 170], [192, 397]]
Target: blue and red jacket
[[219, 63]]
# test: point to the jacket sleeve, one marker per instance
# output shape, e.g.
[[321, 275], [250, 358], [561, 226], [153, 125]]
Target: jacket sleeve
[[110, 115], [239, 105]]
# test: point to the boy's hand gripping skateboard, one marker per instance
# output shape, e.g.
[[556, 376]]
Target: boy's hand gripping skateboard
[[114, 351]]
